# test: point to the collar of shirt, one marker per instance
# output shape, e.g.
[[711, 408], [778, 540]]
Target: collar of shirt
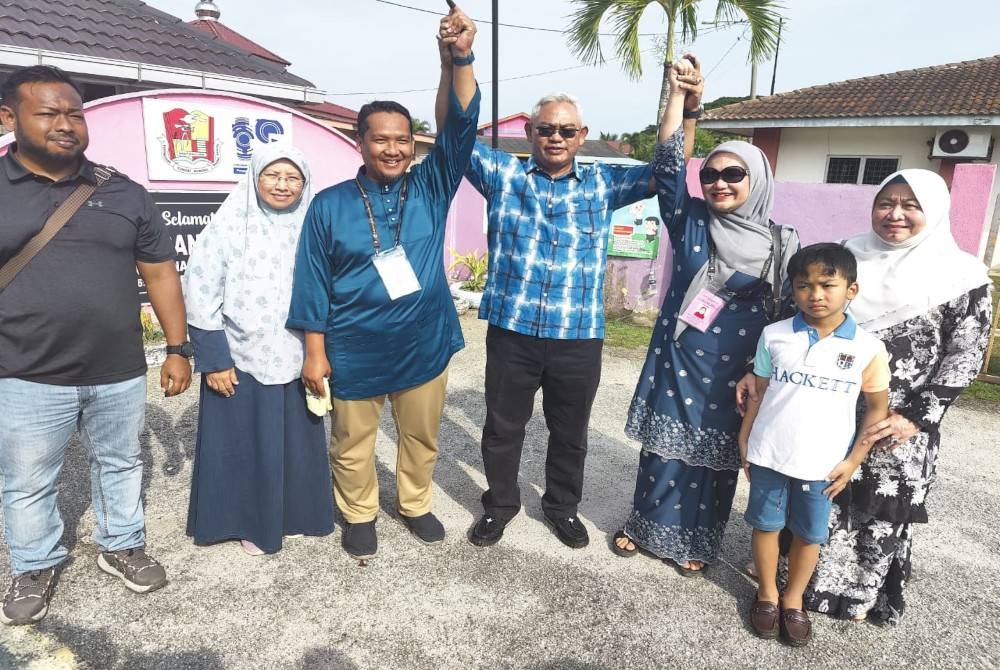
[[373, 186], [532, 166], [846, 330], [16, 171]]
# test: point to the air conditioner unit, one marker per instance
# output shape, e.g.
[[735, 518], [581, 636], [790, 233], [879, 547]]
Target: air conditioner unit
[[961, 143]]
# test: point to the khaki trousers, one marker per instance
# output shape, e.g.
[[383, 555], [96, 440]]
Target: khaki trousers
[[417, 414]]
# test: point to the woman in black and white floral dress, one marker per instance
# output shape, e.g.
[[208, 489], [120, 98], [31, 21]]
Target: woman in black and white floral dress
[[929, 302]]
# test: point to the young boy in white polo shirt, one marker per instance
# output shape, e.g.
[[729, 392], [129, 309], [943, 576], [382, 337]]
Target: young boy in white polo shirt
[[798, 444]]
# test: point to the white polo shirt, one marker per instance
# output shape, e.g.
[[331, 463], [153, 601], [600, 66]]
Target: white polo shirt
[[806, 423]]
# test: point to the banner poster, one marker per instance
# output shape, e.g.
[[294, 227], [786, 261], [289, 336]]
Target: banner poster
[[199, 141], [185, 216], [635, 230]]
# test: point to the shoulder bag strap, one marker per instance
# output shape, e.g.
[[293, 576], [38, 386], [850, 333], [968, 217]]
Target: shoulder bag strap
[[63, 213], [777, 280]]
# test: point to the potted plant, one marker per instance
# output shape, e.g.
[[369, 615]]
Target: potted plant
[[470, 269]]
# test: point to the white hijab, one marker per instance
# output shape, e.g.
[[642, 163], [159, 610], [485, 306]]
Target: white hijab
[[900, 281], [239, 277]]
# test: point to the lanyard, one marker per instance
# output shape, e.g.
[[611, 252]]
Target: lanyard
[[371, 214], [713, 265]]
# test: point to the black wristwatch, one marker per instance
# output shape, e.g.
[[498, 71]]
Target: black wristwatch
[[185, 349], [694, 113]]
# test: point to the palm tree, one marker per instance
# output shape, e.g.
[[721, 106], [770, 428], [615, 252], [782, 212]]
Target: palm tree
[[584, 32], [419, 126]]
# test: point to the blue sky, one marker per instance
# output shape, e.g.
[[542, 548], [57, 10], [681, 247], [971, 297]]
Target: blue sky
[[381, 50]]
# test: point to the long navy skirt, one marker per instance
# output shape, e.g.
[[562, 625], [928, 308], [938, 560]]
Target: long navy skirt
[[261, 468]]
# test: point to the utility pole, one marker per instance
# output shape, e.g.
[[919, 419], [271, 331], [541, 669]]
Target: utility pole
[[774, 72], [496, 74], [753, 80]]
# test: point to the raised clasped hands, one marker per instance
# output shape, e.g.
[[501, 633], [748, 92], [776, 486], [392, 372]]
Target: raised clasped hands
[[685, 79], [456, 33]]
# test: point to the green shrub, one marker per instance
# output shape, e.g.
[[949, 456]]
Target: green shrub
[[476, 266], [151, 332]]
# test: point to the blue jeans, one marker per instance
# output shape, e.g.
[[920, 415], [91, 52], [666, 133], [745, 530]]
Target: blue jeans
[[36, 424], [778, 501]]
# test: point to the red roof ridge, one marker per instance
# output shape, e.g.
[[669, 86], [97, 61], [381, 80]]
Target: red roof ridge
[[230, 36]]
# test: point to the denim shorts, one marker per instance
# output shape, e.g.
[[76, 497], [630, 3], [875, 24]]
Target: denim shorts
[[778, 501]]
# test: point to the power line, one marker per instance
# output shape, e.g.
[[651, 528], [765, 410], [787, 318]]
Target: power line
[[522, 27], [733, 46], [523, 76]]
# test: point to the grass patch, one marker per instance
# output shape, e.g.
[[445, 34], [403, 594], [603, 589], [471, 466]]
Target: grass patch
[[623, 333], [983, 391]]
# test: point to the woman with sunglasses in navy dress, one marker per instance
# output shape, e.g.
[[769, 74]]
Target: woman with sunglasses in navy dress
[[719, 299]]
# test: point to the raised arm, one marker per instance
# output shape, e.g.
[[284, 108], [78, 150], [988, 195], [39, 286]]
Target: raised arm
[[456, 34], [693, 86]]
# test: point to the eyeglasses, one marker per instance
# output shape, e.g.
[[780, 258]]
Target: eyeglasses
[[733, 174], [566, 132], [269, 179]]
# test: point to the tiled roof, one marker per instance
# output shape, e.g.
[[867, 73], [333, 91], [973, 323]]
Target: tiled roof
[[132, 31], [230, 36], [330, 111], [957, 89]]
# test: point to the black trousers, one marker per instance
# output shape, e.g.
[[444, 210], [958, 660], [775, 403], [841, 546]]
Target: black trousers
[[568, 372]]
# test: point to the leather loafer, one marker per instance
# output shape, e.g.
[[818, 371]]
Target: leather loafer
[[569, 530], [764, 619], [487, 531], [425, 528], [796, 629], [359, 540]]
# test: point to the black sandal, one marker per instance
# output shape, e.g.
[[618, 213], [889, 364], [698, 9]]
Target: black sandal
[[624, 552], [688, 572]]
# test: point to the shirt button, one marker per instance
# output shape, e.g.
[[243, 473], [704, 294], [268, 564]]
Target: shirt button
[[554, 243]]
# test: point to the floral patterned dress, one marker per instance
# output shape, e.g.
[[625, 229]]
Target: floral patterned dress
[[683, 410], [864, 567]]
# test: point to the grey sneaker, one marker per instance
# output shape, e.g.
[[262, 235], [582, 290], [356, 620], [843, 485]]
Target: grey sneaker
[[140, 572], [27, 599]]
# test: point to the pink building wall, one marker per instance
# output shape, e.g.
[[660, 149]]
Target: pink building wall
[[117, 139], [513, 127]]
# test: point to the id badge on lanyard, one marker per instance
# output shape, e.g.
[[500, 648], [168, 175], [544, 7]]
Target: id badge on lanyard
[[708, 303], [396, 272], [711, 300], [393, 267]]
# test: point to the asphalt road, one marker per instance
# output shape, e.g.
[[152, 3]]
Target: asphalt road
[[528, 602]]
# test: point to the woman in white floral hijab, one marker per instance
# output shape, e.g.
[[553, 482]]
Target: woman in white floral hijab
[[929, 302], [261, 469]]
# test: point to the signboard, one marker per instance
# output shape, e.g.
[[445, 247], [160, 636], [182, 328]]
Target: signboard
[[185, 215], [204, 141], [635, 230]]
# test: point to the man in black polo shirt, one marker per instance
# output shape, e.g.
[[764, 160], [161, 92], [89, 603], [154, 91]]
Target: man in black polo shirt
[[71, 353]]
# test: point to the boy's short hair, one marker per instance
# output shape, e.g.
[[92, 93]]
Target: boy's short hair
[[35, 74], [375, 106], [834, 258]]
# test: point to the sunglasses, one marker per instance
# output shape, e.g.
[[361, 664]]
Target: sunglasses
[[566, 132], [733, 174]]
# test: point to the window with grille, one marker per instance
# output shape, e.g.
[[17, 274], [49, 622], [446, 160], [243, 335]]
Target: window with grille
[[859, 169]]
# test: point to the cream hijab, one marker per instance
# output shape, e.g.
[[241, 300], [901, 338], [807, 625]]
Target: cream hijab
[[900, 281]]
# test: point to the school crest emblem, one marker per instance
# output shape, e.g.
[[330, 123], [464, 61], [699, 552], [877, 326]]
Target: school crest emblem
[[845, 361], [189, 143]]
